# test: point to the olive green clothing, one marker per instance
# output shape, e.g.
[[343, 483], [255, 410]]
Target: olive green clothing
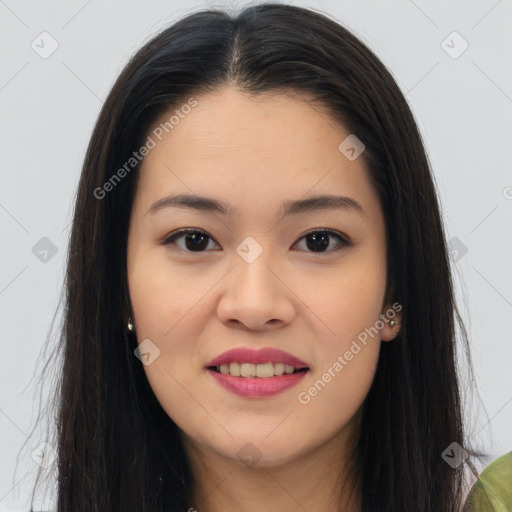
[[492, 492]]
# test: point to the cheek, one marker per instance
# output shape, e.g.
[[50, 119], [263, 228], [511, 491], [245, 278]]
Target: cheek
[[332, 398], [346, 299], [348, 340], [162, 294], [162, 302]]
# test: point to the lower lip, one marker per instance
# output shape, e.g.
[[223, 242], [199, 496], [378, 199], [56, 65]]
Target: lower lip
[[256, 386]]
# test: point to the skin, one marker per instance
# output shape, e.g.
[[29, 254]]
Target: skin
[[254, 153]]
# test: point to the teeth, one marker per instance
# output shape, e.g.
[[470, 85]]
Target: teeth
[[248, 370], [278, 368], [234, 369], [288, 368], [263, 371]]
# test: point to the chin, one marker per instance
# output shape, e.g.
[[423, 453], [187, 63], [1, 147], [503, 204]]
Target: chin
[[260, 452]]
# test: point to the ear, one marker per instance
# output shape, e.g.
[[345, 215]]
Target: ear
[[391, 311]]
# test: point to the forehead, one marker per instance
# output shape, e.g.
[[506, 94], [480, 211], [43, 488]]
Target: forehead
[[239, 147]]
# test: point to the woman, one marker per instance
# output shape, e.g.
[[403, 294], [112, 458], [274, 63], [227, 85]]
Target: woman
[[259, 309]]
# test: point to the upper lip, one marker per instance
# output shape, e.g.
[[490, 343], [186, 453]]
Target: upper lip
[[263, 355]]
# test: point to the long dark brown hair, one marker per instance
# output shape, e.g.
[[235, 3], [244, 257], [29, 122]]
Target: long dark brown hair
[[117, 448]]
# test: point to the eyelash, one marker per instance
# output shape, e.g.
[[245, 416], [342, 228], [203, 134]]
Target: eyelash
[[170, 239]]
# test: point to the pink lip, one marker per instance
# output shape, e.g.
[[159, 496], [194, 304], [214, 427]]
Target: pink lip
[[255, 386], [264, 355]]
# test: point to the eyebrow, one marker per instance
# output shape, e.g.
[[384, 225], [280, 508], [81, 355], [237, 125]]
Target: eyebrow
[[291, 207]]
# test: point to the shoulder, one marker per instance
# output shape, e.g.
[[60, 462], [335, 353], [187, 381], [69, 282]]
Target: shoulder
[[492, 492]]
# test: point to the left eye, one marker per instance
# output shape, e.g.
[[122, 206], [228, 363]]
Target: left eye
[[197, 240], [319, 240]]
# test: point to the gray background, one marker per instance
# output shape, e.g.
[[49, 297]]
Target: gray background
[[462, 103]]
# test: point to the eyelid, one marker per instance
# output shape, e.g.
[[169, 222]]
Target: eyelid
[[345, 240], [180, 232], [329, 231]]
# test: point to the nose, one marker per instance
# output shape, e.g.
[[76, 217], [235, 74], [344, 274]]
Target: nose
[[256, 296]]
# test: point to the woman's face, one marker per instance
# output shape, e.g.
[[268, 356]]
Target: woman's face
[[261, 274]]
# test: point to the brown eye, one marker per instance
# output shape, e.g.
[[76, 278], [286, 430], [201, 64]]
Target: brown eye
[[194, 240], [318, 241]]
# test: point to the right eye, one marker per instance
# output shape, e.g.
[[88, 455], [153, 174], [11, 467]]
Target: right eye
[[195, 240]]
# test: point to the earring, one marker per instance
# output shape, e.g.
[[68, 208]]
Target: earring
[[130, 325], [393, 323]]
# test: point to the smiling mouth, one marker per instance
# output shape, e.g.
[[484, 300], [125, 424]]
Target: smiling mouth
[[262, 371]]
